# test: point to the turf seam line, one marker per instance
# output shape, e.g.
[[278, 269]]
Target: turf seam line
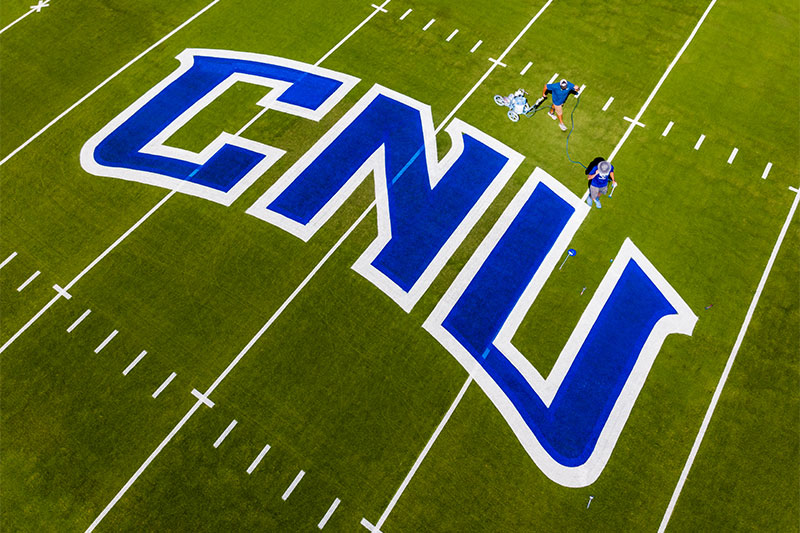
[[724, 377], [104, 82]]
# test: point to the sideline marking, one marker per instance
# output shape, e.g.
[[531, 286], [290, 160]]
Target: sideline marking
[[108, 339], [27, 281], [724, 377], [134, 363], [33, 9], [660, 82], [258, 458], [793, 189], [8, 259], [404, 15], [666, 130], [429, 24], [448, 40], [79, 320], [553, 78], [522, 73], [633, 121], [476, 46], [733, 155], [379, 8], [289, 491], [608, 103], [62, 292], [202, 399], [497, 62], [327, 516], [419, 460], [224, 434], [766, 171], [699, 142], [104, 82], [580, 91], [164, 385]]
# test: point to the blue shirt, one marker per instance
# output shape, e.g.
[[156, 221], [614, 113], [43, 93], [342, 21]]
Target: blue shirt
[[559, 94], [598, 180]]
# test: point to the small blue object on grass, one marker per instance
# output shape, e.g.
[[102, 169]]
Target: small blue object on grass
[[570, 252]]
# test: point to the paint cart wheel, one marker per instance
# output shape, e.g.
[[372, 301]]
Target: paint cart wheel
[[499, 100], [512, 116]]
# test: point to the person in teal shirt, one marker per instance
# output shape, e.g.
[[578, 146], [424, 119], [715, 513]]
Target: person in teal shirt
[[560, 91]]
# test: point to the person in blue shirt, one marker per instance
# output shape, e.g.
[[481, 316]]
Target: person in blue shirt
[[598, 181], [560, 91]]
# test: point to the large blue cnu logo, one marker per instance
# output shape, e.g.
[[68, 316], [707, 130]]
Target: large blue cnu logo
[[569, 418]]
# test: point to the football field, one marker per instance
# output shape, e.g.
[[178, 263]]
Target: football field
[[275, 266]]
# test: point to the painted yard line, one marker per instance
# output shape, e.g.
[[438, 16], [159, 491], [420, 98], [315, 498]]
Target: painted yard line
[[33, 9], [144, 466], [105, 342], [28, 324], [163, 386], [608, 103], [8, 259], [291, 488], [104, 82], [202, 399], [224, 434], [733, 155], [429, 24], [377, 10], [421, 457], [766, 171], [580, 91], [661, 81], [258, 458], [494, 64], [404, 15], [793, 189], [551, 80], [448, 40], [328, 515], [134, 363], [78, 321], [633, 121], [522, 73], [27, 281], [497, 62], [472, 50], [724, 377], [699, 142], [666, 130]]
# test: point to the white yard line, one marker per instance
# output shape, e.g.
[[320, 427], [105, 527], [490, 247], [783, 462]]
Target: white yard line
[[661, 81], [291, 488], [8, 259], [699, 142], [429, 24], [78, 321], [134, 363], [452, 35], [551, 80], [328, 515], [33, 9], [104, 82], [105, 342], [733, 155], [766, 171], [608, 103], [524, 70], [258, 459], [404, 15], [377, 10], [724, 377], [225, 433], [163, 386], [669, 127], [472, 50], [27, 281]]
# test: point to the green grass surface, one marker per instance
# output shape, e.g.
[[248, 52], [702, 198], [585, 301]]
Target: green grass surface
[[345, 385]]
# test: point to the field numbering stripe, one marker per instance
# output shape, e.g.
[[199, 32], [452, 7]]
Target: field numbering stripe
[[404, 15], [766, 171], [258, 459], [8, 259], [225, 433], [699, 142], [728, 365], [328, 515], [733, 155], [608, 103], [472, 50], [163, 386], [452, 35], [291, 488], [105, 342], [134, 363], [522, 73], [429, 24], [666, 130], [78, 321], [27, 281]]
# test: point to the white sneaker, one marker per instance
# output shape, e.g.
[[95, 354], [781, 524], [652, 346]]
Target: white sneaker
[[551, 115], [563, 127]]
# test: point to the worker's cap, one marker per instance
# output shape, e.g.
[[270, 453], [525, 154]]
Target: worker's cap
[[604, 168], [563, 83]]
